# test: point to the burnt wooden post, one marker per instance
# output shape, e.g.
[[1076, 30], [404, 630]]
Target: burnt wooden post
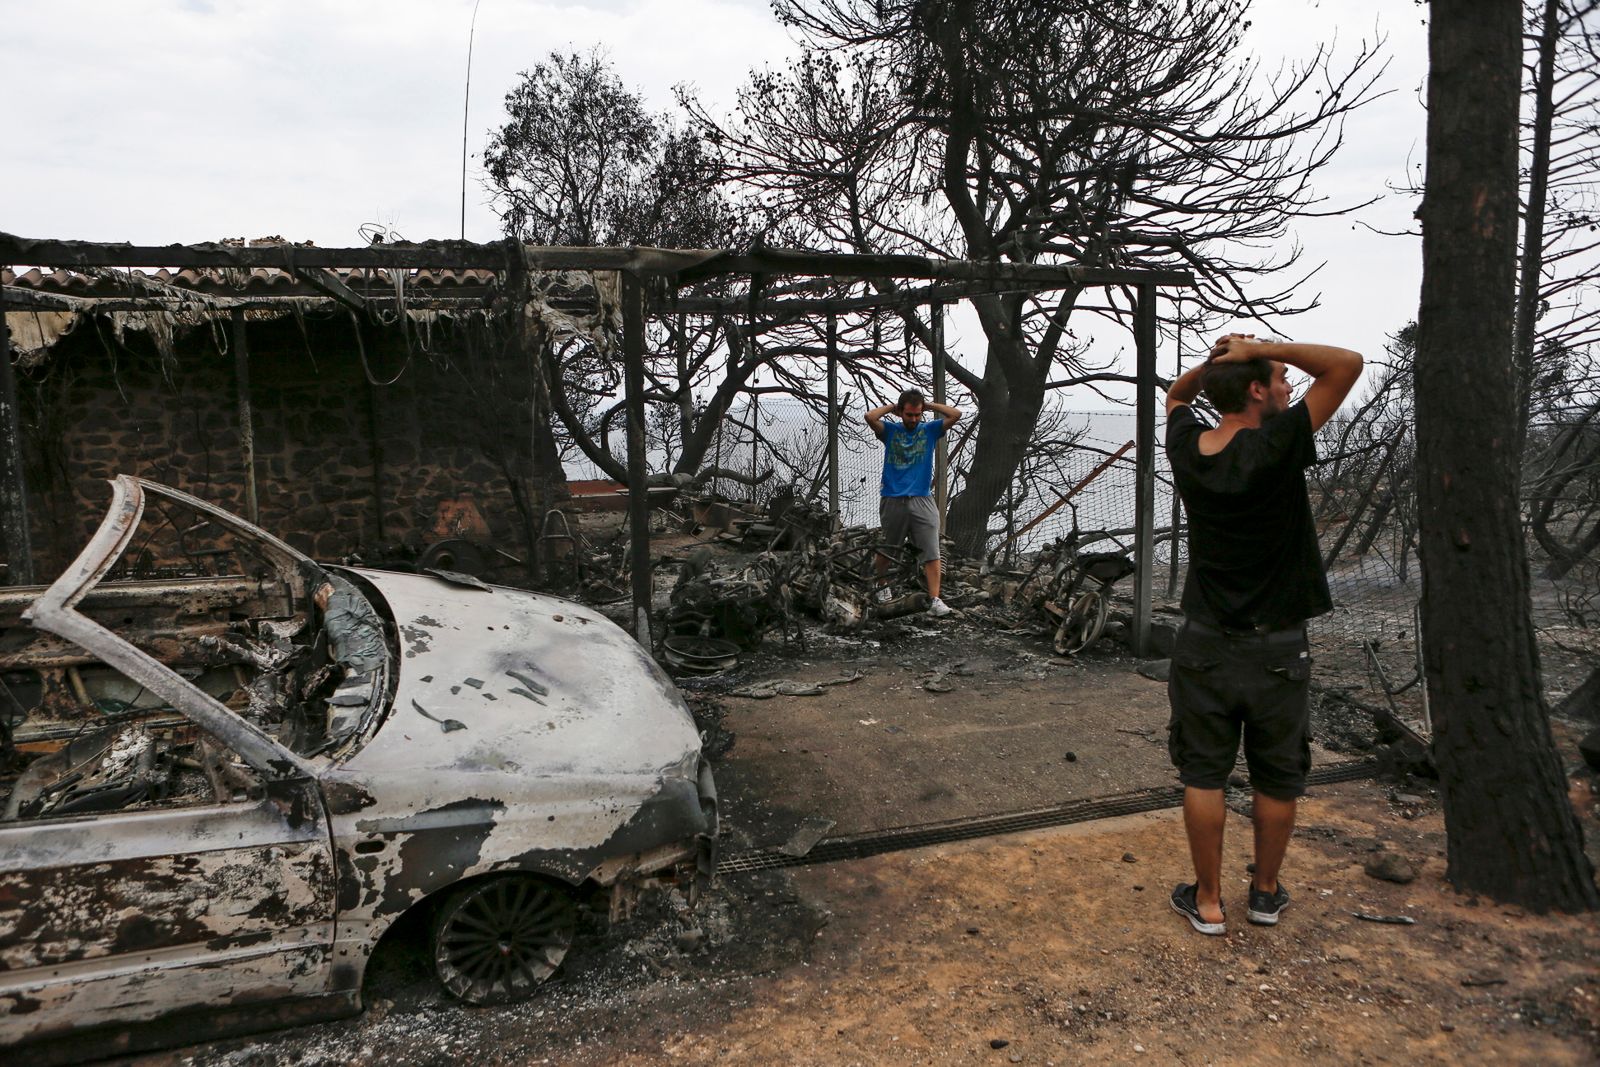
[[13, 490], [247, 433], [833, 419], [1177, 504], [941, 454], [1144, 328], [633, 321]]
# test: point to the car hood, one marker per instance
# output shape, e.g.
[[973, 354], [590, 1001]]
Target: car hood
[[497, 681]]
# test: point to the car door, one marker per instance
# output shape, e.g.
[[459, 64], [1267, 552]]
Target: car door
[[224, 900], [125, 917]]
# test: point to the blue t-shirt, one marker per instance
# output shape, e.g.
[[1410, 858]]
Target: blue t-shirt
[[908, 457]]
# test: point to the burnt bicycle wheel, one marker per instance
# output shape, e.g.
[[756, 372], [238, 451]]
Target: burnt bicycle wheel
[[1083, 623], [496, 940]]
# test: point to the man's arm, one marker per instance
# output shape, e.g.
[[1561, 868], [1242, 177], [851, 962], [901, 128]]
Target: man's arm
[[1185, 389], [875, 418], [1334, 371], [949, 414]]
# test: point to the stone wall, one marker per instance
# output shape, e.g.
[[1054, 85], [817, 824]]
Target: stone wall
[[343, 467]]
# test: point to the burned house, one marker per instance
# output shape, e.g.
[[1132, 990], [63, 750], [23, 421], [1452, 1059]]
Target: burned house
[[369, 435]]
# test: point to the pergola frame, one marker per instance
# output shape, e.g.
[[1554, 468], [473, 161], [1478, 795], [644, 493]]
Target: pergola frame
[[649, 276]]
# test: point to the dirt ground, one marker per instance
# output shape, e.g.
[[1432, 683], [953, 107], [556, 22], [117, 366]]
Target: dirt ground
[[1055, 946]]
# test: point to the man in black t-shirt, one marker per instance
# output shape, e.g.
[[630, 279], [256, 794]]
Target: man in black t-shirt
[[1241, 663]]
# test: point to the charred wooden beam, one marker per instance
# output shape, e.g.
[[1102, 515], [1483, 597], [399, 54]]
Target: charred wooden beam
[[461, 255], [684, 265], [13, 487], [774, 261], [633, 340], [941, 458], [833, 419], [1144, 329], [26, 299], [330, 283], [247, 435]]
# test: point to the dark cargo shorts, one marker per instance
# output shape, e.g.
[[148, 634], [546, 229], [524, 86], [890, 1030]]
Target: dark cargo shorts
[[1223, 684]]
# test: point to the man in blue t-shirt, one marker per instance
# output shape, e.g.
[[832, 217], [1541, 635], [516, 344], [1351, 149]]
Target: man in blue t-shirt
[[906, 504]]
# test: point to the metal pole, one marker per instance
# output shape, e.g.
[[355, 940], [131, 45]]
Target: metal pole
[[941, 455], [13, 489], [466, 111], [833, 420], [755, 442], [1177, 504], [755, 413], [1144, 517], [247, 433], [633, 311], [1416, 632]]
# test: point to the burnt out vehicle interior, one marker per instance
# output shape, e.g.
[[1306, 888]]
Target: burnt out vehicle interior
[[298, 652]]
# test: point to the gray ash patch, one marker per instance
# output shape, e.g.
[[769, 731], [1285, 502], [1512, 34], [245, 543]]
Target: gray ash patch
[[1341, 723], [620, 987]]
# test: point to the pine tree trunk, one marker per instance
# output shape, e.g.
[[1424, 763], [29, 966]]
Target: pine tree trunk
[[1511, 831]]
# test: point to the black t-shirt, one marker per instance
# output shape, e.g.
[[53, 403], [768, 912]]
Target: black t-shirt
[[1253, 556]]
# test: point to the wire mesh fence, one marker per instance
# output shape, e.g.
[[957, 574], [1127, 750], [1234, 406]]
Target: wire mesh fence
[[1087, 480]]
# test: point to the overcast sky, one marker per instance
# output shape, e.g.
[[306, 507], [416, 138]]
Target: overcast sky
[[168, 121]]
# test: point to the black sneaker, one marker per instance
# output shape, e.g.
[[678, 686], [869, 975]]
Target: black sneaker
[[1266, 907], [1183, 902]]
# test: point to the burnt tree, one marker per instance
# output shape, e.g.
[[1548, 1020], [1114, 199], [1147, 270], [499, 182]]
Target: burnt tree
[[581, 160], [1511, 832], [1114, 134]]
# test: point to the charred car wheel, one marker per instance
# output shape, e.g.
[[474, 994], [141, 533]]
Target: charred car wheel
[[495, 940]]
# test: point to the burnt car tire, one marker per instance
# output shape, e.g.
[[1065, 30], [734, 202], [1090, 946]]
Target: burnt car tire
[[496, 940]]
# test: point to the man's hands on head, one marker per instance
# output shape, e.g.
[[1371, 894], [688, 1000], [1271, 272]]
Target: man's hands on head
[[1235, 348], [875, 416], [1333, 371]]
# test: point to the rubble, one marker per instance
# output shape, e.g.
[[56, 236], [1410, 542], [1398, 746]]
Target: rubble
[[786, 567]]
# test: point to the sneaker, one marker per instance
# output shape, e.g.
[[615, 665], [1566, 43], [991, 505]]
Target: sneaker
[[937, 608], [1266, 907], [883, 596], [1183, 902]]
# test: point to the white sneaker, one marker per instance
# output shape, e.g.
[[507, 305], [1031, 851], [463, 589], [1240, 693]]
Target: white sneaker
[[883, 596], [937, 608]]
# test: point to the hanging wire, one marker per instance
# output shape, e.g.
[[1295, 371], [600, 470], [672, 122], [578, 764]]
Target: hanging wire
[[366, 368]]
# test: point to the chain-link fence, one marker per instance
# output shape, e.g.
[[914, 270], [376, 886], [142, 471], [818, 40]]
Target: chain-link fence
[[1083, 475], [1368, 536]]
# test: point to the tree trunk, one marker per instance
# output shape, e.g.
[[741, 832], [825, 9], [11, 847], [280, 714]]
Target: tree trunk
[[1511, 831], [1533, 223], [1010, 409]]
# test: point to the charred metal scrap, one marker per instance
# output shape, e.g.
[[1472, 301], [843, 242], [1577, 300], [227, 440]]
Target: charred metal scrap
[[804, 566]]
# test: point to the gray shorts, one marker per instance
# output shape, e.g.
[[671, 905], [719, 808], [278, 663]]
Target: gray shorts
[[917, 514]]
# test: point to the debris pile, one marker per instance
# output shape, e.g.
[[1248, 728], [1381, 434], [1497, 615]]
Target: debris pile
[[804, 568]]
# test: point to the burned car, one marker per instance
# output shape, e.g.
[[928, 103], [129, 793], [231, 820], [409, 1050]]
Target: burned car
[[217, 792]]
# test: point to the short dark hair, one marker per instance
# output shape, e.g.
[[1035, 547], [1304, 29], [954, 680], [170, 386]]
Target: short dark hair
[[911, 396], [1227, 385]]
